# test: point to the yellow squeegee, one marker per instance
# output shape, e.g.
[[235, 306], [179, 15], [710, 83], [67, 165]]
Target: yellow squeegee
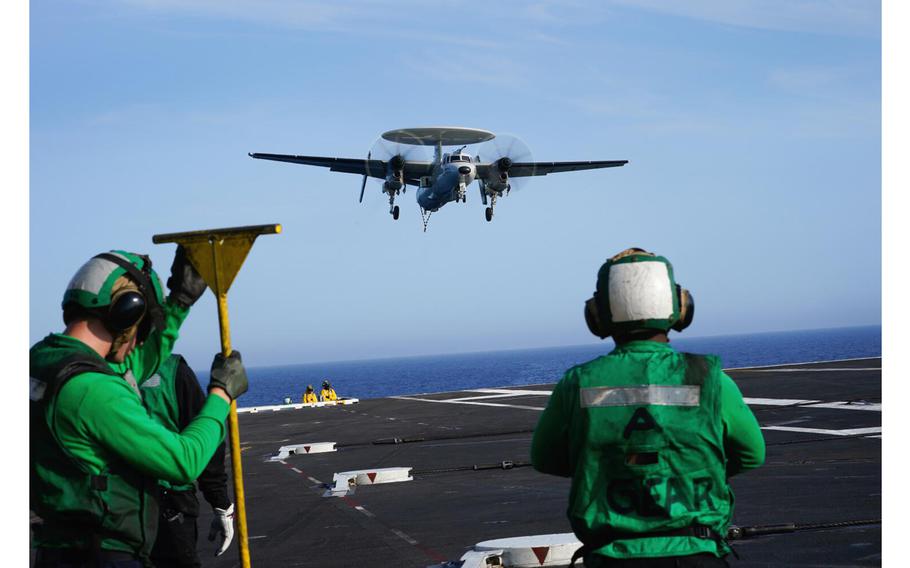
[[217, 255]]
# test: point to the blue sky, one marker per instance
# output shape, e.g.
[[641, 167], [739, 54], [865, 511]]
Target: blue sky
[[753, 131]]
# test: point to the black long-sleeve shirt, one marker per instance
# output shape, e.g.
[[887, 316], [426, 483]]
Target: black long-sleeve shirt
[[190, 398]]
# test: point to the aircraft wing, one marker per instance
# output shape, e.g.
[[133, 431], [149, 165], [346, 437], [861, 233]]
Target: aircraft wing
[[372, 168], [522, 169]]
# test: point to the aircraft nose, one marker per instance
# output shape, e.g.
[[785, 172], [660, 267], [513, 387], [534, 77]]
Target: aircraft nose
[[464, 170]]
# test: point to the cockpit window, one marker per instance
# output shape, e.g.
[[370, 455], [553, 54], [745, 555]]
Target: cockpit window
[[458, 158]]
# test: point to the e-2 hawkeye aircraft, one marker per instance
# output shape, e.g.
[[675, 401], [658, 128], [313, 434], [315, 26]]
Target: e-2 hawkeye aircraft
[[447, 177]]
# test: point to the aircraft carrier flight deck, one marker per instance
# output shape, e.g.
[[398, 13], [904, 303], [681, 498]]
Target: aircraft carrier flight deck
[[468, 454]]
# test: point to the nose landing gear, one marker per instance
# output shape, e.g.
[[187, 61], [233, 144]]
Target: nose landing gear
[[460, 193]]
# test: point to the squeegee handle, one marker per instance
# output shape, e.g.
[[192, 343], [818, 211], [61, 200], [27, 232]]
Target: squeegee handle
[[243, 542]]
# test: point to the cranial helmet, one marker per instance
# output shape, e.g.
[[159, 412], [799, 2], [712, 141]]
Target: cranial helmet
[[309, 388], [326, 384], [636, 291], [119, 288]]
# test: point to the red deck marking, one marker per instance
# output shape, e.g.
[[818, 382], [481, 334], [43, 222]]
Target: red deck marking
[[372, 476], [350, 501], [541, 553]]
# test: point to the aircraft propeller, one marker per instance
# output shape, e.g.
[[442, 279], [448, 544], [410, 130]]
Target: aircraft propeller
[[395, 154], [504, 151], [363, 186], [393, 179]]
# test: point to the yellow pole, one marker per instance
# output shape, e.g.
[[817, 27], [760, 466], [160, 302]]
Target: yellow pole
[[243, 542]]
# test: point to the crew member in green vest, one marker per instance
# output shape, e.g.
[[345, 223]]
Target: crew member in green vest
[[648, 435], [174, 397], [95, 453]]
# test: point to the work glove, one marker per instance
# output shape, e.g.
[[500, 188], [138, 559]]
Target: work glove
[[185, 284], [229, 374], [222, 529]]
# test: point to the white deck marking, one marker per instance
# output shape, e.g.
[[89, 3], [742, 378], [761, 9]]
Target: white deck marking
[[752, 401], [469, 402], [811, 370], [835, 405], [259, 536], [777, 401], [488, 396], [804, 363], [404, 537], [845, 432], [314, 480], [510, 392], [875, 407], [364, 511], [295, 469]]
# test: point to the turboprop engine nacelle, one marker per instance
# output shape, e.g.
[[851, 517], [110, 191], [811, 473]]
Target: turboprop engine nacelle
[[392, 184], [394, 179], [498, 179]]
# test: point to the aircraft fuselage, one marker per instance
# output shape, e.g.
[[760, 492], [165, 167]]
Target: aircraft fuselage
[[449, 182]]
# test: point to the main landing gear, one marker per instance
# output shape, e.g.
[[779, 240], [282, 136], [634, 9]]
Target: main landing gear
[[489, 210], [393, 209]]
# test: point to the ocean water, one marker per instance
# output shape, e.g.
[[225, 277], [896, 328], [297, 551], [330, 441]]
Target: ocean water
[[438, 373]]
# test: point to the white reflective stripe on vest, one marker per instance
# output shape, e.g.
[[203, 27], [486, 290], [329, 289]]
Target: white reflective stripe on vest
[[658, 395]]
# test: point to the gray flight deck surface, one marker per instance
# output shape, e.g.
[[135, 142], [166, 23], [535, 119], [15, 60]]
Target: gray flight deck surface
[[823, 466]]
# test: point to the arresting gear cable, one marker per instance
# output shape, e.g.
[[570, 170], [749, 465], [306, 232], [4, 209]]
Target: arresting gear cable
[[505, 464], [739, 533]]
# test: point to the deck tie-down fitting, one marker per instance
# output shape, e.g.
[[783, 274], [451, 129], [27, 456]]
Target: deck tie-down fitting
[[346, 482], [303, 449], [522, 552]]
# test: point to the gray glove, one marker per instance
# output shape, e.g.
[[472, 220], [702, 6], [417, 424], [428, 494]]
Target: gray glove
[[185, 284], [229, 374]]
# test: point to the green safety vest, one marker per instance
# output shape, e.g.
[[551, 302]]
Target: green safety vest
[[651, 458], [111, 509], [159, 395]]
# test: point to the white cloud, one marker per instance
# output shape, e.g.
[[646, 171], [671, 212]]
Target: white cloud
[[417, 21], [805, 80], [834, 17], [286, 13]]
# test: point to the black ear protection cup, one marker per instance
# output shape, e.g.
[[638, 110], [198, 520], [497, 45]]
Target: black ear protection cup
[[149, 299], [686, 309], [592, 318], [125, 311]]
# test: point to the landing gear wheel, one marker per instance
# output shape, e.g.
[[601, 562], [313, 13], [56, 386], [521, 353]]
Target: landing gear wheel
[[489, 213], [395, 212]]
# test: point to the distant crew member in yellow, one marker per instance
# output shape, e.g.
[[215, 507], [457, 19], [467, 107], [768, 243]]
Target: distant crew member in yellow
[[649, 436], [309, 396], [327, 393]]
